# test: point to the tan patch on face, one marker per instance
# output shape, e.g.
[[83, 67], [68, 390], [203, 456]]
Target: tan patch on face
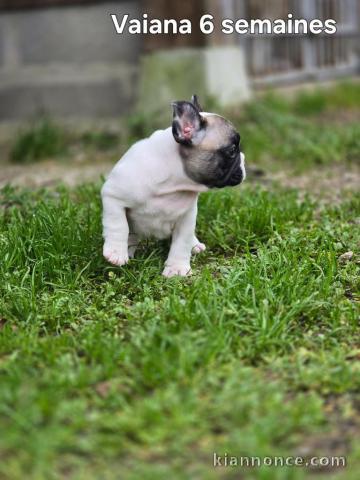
[[218, 131]]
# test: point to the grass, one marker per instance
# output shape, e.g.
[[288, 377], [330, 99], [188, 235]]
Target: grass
[[119, 373], [345, 95], [44, 139], [100, 140], [110, 373], [309, 130], [40, 140]]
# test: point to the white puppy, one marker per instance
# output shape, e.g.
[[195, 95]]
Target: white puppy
[[153, 190]]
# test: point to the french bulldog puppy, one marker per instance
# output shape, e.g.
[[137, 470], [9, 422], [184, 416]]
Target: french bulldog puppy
[[153, 190]]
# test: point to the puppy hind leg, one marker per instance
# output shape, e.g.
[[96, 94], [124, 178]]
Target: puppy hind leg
[[197, 246], [132, 243]]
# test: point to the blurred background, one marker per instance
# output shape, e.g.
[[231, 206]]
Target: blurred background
[[61, 61], [64, 58]]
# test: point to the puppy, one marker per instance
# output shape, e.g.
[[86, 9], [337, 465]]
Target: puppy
[[153, 190]]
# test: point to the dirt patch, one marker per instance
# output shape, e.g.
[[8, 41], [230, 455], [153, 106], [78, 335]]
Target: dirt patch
[[52, 172], [331, 184]]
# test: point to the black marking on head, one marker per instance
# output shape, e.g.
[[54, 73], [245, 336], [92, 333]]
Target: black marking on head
[[195, 102], [236, 138], [187, 123]]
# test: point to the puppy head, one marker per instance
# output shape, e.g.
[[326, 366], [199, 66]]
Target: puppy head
[[209, 145]]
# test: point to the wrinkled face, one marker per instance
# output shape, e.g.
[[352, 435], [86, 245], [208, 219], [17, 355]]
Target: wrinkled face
[[216, 161], [209, 146]]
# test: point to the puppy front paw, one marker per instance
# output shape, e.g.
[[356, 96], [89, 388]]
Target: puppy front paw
[[176, 269], [116, 254]]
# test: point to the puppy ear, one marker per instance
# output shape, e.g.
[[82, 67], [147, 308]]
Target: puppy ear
[[195, 102], [187, 122]]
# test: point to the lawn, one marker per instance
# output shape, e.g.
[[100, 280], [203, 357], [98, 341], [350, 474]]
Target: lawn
[[114, 373]]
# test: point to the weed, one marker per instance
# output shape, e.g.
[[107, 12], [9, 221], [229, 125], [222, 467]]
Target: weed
[[42, 139], [100, 140]]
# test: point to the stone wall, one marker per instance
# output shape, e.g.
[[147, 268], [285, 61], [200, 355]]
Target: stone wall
[[67, 61]]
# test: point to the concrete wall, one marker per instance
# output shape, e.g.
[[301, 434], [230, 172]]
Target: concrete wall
[[217, 72], [67, 61]]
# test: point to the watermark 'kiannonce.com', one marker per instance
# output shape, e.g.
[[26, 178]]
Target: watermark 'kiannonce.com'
[[226, 460]]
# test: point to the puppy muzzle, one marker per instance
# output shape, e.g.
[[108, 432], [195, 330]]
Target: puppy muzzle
[[236, 173]]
